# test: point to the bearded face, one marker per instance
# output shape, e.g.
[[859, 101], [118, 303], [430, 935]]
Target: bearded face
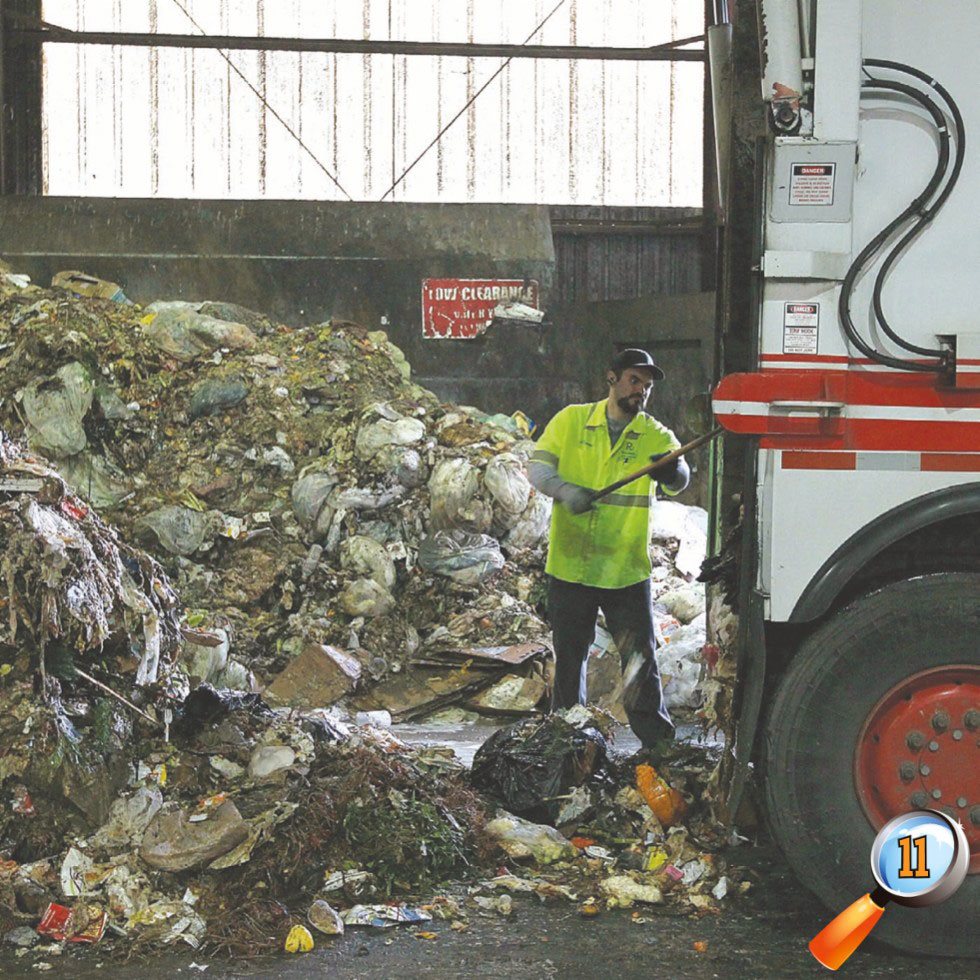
[[631, 390]]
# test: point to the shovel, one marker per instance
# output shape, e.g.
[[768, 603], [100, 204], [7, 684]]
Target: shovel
[[653, 467]]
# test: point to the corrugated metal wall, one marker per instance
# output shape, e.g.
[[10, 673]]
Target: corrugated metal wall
[[175, 123], [625, 253]]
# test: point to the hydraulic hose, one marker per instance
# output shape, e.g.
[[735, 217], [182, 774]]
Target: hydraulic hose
[[954, 109], [919, 207], [927, 215]]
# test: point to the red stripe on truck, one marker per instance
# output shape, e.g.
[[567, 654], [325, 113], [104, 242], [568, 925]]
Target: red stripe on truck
[[819, 461], [950, 462], [887, 435], [850, 387], [849, 410]]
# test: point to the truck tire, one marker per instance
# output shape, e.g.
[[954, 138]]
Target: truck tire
[[888, 652]]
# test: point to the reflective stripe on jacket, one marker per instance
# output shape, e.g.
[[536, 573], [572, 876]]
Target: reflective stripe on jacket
[[606, 547]]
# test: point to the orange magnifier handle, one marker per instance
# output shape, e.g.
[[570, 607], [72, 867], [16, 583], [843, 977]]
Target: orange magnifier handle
[[839, 938]]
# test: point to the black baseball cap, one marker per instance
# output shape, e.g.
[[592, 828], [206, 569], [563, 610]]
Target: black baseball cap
[[633, 357]]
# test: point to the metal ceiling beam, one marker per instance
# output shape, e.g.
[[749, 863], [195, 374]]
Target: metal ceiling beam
[[51, 34]]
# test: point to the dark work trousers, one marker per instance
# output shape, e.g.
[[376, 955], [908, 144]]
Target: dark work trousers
[[572, 609]]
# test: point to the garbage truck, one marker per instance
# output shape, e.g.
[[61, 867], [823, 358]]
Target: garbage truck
[[847, 489]]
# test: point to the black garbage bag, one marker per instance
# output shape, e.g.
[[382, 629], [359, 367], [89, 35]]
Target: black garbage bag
[[530, 766], [206, 706]]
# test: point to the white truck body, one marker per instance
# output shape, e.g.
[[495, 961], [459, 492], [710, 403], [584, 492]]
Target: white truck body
[[847, 319], [859, 438]]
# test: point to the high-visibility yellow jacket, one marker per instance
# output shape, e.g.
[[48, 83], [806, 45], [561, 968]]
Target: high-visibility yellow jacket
[[606, 547]]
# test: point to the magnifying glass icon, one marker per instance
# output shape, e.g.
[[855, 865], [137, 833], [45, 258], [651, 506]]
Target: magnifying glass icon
[[919, 858]]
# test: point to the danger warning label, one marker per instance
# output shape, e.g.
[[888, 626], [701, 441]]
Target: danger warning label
[[812, 184], [801, 322]]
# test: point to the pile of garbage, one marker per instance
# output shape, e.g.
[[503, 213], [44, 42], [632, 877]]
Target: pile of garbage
[[326, 533], [327, 523], [245, 829], [297, 487], [168, 815], [80, 607], [231, 829], [132, 806], [611, 831]]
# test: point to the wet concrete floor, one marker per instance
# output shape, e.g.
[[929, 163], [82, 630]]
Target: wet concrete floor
[[465, 739]]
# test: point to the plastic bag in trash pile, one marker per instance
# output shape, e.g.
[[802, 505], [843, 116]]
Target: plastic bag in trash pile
[[383, 916], [532, 764], [468, 559]]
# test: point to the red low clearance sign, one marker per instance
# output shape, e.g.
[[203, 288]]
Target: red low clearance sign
[[461, 309]]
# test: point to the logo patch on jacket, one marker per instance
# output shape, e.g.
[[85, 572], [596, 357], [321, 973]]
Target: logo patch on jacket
[[628, 453]]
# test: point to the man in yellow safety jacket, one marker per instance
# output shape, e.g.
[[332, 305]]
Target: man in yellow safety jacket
[[598, 550]]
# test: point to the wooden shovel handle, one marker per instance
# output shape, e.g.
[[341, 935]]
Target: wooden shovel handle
[[652, 467]]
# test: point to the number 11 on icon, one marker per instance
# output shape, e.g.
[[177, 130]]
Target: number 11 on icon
[[906, 869]]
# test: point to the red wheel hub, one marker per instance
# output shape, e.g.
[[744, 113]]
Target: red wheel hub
[[920, 748]]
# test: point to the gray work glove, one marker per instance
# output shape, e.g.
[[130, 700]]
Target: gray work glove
[[577, 499]]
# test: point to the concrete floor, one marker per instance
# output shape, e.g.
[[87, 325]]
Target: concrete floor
[[466, 739]]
